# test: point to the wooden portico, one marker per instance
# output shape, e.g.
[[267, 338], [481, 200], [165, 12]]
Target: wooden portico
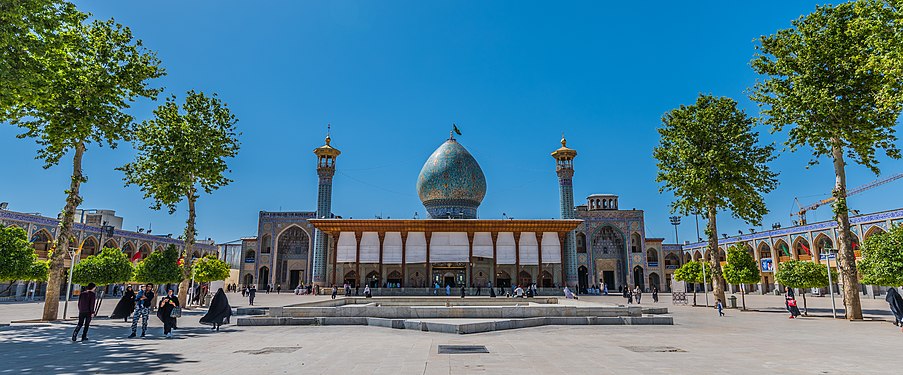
[[520, 249]]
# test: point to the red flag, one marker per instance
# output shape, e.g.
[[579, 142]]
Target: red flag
[[136, 256], [806, 248]]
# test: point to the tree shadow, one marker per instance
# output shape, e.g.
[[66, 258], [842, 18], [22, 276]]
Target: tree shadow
[[47, 349]]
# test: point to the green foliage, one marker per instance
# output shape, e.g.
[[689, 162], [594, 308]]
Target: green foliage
[[33, 34], [160, 267], [209, 268], [18, 260], [691, 272], [110, 266], [101, 70], [709, 158], [741, 267], [836, 77], [882, 258], [179, 150], [803, 274]]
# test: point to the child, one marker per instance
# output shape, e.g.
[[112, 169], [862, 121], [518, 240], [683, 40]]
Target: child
[[720, 308]]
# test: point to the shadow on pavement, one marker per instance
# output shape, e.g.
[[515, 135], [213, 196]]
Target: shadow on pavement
[[47, 349]]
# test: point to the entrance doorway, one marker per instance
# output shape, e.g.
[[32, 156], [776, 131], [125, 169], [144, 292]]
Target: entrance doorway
[[608, 277], [294, 278], [502, 280], [451, 276], [249, 279], [448, 280], [351, 279], [582, 281], [638, 277], [263, 275]]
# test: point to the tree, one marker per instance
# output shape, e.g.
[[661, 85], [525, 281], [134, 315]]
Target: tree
[[882, 258], [110, 266], [101, 71], [741, 268], [33, 34], [803, 275], [709, 159], [180, 151], [160, 267], [691, 272], [18, 260], [836, 79], [209, 268]]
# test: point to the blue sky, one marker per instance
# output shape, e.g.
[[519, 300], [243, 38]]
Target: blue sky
[[391, 77]]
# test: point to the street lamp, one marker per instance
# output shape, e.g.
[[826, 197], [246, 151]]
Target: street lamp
[[675, 221]]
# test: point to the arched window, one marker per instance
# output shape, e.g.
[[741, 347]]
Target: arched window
[[651, 257], [266, 244], [635, 245], [581, 243]]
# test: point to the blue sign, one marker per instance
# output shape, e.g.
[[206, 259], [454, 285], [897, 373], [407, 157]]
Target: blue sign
[[249, 260], [767, 265], [824, 256]]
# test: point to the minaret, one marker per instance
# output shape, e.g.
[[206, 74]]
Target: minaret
[[326, 156], [564, 160]]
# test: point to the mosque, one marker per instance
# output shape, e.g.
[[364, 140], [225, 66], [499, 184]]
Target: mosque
[[588, 245]]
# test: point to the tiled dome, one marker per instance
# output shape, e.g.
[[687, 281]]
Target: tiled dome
[[451, 183]]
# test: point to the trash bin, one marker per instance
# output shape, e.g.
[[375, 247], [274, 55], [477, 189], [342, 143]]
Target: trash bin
[[208, 298], [732, 302]]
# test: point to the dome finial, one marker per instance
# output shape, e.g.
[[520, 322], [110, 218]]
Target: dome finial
[[564, 142]]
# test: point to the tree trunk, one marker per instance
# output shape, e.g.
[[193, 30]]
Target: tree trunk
[[805, 305], [694, 294], [73, 200], [743, 297], [846, 257], [717, 278], [189, 243]]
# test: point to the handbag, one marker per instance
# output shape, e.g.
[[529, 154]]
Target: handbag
[[791, 302], [176, 312]]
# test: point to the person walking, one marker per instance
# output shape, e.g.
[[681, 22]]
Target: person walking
[[638, 293], [85, 311], [219, 311], [896, 305], [462, 291], [244, 291], [126, 305], [628, 296], [654, 294], [278, 288], [165, 312], [367, 291], [790, 303], [604, 289], [335, 290], [720, 307], [252, 292], [143, 302], [478, 290], [447, 290]]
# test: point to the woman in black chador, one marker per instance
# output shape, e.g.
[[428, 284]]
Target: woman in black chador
[[896, 305], [219, 311], [126, 305]]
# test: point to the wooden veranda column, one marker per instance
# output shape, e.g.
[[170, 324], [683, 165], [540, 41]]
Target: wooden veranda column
[[404, 239], [429, 266], [470, 257], [382, 236], [495, 257], [334, 257], [561, 237], [357, 259], [516, 258], [539, 253]]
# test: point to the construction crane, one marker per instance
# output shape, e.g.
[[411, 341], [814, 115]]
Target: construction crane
[[871, 185]]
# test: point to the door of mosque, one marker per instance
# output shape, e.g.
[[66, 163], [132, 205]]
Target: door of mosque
[[452, 276], [608, 277], [294, 278]]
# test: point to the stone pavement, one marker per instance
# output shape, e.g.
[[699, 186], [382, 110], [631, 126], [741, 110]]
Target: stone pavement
[[699, 343]]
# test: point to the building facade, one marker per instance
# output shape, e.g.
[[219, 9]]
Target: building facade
[[588, 245], [811, 242], [43, 231]]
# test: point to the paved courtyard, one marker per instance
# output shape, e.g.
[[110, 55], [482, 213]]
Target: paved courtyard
[[762, 341]]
